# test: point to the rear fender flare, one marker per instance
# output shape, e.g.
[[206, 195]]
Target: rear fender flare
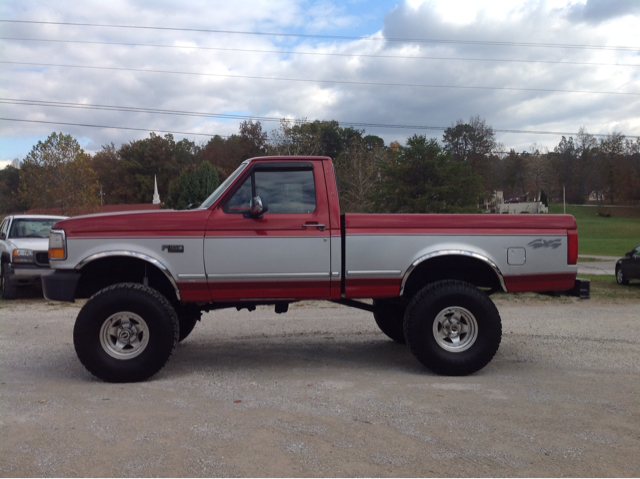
[[452, 252]]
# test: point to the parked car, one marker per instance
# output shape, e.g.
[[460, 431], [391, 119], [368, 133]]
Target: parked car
[[628, 267], [24, 243]]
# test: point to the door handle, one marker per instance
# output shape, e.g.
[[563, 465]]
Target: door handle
[[313, 225]]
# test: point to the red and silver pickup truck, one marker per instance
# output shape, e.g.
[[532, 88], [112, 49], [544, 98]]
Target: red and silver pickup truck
[[272, 234]]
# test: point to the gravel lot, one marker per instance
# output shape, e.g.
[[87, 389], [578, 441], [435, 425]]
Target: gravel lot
[[320, 391]]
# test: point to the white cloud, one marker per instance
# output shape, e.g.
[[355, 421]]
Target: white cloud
[[556, 22]]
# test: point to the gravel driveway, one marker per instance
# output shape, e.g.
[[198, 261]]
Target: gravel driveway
[[319, 391]]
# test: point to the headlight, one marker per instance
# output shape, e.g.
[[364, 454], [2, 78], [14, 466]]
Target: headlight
[[57, 245], [22, 256]]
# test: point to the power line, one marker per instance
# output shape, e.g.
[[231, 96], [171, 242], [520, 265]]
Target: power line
[[340, 82], [335, 37], [369, 125], [350, 55], [107, 127]]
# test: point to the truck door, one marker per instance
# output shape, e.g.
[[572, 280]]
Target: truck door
[[285, 253]]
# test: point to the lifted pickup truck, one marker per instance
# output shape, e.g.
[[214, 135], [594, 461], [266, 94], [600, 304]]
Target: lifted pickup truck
[[272, 234]]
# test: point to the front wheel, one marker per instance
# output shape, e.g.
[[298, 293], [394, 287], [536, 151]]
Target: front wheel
[[125, 333], [620, 277], [452, 328], [9, 291]]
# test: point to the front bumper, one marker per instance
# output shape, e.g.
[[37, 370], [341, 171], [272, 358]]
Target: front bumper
[[25, 274], [60, 285]]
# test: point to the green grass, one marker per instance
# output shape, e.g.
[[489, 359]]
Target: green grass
[[599, 235], [602, 287]]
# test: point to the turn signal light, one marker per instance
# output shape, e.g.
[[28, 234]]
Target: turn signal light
[[57, 245], [56, 253]]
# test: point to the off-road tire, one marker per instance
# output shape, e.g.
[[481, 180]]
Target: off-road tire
[[106, 324], [452, 328], [9, 291], [620, 277], [389, 316], [187, 322]]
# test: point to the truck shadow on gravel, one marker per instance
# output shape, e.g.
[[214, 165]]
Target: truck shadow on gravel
[[282, 355]]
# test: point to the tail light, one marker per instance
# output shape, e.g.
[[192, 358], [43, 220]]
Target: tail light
[[572, 247]]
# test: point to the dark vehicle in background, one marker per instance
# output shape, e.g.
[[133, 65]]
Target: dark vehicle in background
[[628, 267], [24, 256]]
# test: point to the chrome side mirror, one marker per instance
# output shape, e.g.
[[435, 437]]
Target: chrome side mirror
[[257, 209]]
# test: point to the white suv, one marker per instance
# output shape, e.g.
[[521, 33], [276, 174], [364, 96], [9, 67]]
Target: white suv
[[24, 243]]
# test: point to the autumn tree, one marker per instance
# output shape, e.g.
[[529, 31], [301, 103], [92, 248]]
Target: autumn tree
[[424, 178], [357, 173], [293, 138], [57, 173]]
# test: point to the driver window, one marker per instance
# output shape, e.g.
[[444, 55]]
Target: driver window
[[283, 191]]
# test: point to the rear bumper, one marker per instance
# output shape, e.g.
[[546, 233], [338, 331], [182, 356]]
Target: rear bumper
[[60, 285], [581, 289]]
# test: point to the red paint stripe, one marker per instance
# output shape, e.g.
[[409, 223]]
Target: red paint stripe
[[194, 291], [540, 282], [384, 231], [247, 290], [448, 221], [372, 287]]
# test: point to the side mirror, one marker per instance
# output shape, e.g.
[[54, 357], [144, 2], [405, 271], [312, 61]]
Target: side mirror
[[629, 254], [3, 236], [258, 208]]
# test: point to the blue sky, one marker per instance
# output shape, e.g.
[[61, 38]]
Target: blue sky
[[478, 66]]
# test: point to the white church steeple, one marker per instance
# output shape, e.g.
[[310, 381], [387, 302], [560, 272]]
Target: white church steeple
[[156, 196]]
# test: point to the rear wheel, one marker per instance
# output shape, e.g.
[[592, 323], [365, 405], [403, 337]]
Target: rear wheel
[[389, 316], [125, 333], [620, 277], [452, 328], [9, 291]]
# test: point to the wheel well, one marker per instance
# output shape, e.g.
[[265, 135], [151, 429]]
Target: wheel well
[[462, 268], [104, 272]]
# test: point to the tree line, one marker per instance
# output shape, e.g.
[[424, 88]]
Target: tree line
[[425, 175]]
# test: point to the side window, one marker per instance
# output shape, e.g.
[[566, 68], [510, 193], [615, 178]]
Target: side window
[[240, 202], [284, 191], [4, 227]]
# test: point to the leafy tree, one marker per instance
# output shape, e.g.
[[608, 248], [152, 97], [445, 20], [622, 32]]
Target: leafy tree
[[156, 156], [57, 173], [474, 143], [10, 201], [423, 178], [227, 154], [111, 173], [193, 187]]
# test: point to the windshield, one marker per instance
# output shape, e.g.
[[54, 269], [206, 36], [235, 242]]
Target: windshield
[[31, 228], [222, 188]]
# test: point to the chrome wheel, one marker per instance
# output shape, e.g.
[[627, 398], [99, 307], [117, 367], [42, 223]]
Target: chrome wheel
[[124, 335], [455, 329], [619, 276]]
